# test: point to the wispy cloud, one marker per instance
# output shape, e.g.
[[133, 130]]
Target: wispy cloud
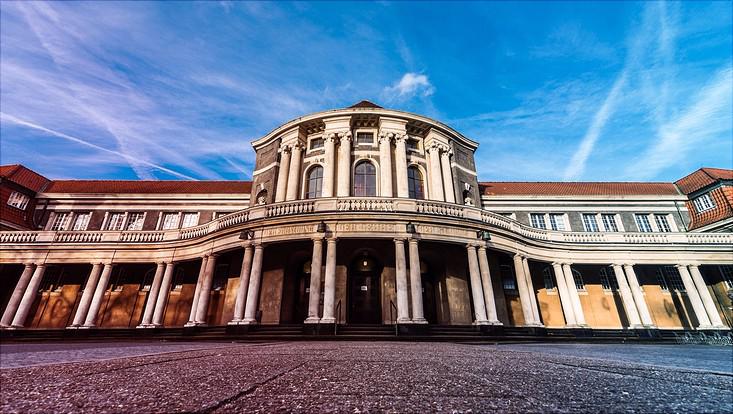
[[410, 85]]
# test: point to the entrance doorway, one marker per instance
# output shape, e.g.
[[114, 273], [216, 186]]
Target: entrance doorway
[[363, 290]]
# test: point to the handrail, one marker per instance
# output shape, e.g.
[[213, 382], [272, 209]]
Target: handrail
[[338, 317], [393, 317]]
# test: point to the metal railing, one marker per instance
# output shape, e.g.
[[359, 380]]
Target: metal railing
[[393, 317], [701, 338]]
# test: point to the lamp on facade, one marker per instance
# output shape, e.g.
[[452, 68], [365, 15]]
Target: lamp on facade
[[410, 228], [321, 227], [483, 235], [247, 235]]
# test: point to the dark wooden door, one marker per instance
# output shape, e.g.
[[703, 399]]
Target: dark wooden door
[[428, 300], [364, 298]]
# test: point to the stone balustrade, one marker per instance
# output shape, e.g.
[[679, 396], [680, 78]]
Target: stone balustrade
[[360, 204]]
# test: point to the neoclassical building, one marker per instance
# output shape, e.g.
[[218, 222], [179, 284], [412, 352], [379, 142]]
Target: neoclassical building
[[366, 215]]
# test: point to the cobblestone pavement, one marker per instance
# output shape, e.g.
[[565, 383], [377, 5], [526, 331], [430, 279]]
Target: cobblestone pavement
[[356, 377]]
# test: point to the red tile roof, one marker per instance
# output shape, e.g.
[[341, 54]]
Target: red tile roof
[[24, 177], [576, 188], [702, 178], [148, 187]]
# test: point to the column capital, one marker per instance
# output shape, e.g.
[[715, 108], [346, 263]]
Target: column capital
[[247, 244], [284, 148], [482, 247], [318, 238], [29, 264], [557, 264], [332, 239], [298, 146], [472, 245], [628, 265], [412, 239], [160, 263], [344, 135], [617, 264], [520, 255], [399, 239], [42, 264]]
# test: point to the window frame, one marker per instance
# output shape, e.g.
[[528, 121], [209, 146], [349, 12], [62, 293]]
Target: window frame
[[162, 220], [357, 164], [122, 223], [613, 220], [534, 221], [312, 140], [726, 274], [129, 221], [667, 227], [670, 280], [19, 200], [182, 220], [77, 216], [506, 272], [547, 276], [594, 216], [372, 132], [411, 191], [553, 223], [609, 283], [578, 277], [65, 216], [639, 218], [704, 203], [307, 190]]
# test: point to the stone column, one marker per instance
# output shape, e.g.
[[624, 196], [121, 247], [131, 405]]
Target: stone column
[[532, 292], [164, 291], [707, 301], [244, 274], [574, 297], [450, 194], [197, 291], [435, 177], [477, 290], [152, 296], [202, 308], [329, 143], [282, 174], [329, 288], [562, 290], [644, 315], [697, 307], [344, 165], [314, 294], [91, 319], [489, 300], [626, 297], [385, 162], [400, 160], [29, 296], [253, 291], [296, 156], [403, 305], [17, 295], [418, 313], [523, 291]]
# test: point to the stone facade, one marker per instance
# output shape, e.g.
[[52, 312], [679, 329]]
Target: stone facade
[[364, 215]]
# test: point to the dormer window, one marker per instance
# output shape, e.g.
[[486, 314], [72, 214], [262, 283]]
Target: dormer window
[[18, 200], [703, 203]]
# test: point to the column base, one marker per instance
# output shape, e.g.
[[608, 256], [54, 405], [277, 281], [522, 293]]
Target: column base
[[73, 327], [404, 320], [539, 325], [420, 321], [249, 321], [312, 319], [88, 327], [329, 319], [482, 322], [235, 322], [721, 327], [190, 324], [496, 323]]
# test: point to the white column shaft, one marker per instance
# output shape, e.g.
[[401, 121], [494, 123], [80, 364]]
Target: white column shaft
[[477, 290], [91, 318], [385, 166], [253, 291], [436, 179], [329, 288], [282, 175], [205, 293], [489, 299], [29, 296], [244, 274], [418, 313], [707, 299], [152, 297], [400, 160], [329, 166], [692, 294], [565, 301], [294, 173], [523, 291], [403, 305], [531, 291], [636, 292], [626, 297], [162, 299], [197, 291], [314, 295], [344, 167], [450, 195], [574, 296], [17, 295]]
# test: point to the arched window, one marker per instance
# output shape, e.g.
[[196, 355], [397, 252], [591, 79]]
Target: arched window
[[415, 183], [315, 182], [365, 180]]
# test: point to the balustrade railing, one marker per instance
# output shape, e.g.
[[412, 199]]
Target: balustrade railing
[[360, 204]]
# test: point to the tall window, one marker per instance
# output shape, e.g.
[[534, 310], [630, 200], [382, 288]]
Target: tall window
[[18, 200], [578, 279], [537, 220], [557, 221], [669, 279], [135, 221], [703, 203], [642, 222], [315, 182], [547, 278], [590, 223], [609, 222], [415, 183], [662, 223], [727, 272], [190, 220], [61, 222], [509, 282], [170, 221], [608, 279], [365, 180], [82, 221], [115, 221]]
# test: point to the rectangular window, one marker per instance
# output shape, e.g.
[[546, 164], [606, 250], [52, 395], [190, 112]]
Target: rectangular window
[[135, 221], [669, 279], [590, 223], [61, 221], [170, 221], [608, 279], [557, 222], [190, 220], [609, 222], [662, 223], [537, 221], [412, 145], [82, 221], [317, 143], [364, 138], [18, 200], [727, 272], [642, 222], [703, 203], [547, 278], [507, 278], [115, 221], [578, 279]]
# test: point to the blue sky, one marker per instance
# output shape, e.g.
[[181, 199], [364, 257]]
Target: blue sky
[[611, 91]]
